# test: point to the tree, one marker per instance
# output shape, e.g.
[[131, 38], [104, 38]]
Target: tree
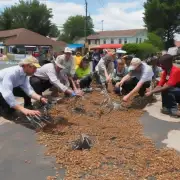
[[74, 28], [31, 15], [163, 18], [155, 40], [54, 31]]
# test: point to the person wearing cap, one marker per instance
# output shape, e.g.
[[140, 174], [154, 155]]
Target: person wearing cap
[[51, 75], [14, 81], [169, 86], [105, 68], [127, 60], [83, 75], [137, 80], [67, 60], [78, 59]]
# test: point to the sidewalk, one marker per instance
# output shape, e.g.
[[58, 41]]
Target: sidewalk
[[22, 158], [162, 129]]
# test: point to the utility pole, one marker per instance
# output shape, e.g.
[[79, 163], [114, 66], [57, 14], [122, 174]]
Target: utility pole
[[102, 25], [85, 25]]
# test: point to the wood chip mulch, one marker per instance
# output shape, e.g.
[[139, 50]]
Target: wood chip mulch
[[120, 150]]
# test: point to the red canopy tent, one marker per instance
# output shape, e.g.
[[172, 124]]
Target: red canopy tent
[[108, 46]]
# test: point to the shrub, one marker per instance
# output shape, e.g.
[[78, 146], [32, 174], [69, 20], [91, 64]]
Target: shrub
[[142, 50]]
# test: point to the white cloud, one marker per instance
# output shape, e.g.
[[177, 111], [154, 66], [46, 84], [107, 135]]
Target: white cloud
[[62, 11], [115, 15], [119, 16]]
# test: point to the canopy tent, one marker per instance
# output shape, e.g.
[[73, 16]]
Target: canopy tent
[[75, 46], [108, 46], [120, 51]]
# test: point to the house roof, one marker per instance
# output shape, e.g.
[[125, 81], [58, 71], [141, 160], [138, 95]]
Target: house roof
[[23, 36], [116, 33]]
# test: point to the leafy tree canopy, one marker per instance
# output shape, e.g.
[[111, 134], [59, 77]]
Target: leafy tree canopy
[[73, 28], [155, 40], [163, 18], [31, 15]]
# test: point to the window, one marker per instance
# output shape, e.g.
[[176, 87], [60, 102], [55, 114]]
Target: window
[[140, 40], [112, 41], [137, 40], [95, 41], [125, 40], [104, 41], [120, 41]]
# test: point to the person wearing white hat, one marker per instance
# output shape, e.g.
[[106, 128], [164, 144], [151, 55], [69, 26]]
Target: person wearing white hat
[[14, 81], [68, 61], [137, 80], [51, 75]]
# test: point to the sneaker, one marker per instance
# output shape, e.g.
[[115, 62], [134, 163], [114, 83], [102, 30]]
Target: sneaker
[[175, 114], [165, 111]]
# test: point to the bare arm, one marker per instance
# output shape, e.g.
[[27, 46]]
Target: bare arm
[[158, 89]]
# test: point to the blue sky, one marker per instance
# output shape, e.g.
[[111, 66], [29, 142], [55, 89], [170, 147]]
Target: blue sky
[[117, 14]]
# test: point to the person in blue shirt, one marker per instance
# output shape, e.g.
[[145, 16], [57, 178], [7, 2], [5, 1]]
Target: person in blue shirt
[[14, 81]]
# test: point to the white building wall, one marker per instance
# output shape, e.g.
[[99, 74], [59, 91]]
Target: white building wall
[[142, 36]]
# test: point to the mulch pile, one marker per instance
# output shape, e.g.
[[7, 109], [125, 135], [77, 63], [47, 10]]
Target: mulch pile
[[120, 151]]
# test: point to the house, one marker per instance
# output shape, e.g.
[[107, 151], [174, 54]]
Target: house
[[118, 37], [23, 36]]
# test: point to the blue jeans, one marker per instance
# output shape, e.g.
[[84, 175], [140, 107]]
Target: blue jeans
[[170, 98]]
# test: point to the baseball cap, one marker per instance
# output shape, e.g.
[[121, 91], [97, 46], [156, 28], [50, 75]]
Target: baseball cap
[[67, 50], [134, 64], [31, 61]]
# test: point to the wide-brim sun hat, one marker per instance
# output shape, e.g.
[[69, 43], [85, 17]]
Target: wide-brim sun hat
[[30, 60]]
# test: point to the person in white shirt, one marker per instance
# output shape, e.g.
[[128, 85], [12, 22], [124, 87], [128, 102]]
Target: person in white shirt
[[49, 75], [68, 61], [105, 68], [14, 81], [137, 80]]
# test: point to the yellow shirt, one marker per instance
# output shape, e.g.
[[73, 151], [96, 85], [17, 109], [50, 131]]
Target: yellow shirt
[[77, 61]]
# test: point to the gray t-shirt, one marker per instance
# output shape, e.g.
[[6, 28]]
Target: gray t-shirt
[[145, 74]]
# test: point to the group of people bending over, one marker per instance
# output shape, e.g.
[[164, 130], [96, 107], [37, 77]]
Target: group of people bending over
[[129, 77]]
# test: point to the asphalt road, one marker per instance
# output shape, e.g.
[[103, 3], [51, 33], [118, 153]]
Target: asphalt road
[[22, 158]]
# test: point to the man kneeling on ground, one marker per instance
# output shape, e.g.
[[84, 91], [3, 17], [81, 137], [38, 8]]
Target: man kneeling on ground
[[14, 82], [50, 75], [169, 86], [137, 80]]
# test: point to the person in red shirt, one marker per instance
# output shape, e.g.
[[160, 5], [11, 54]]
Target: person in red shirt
[[169, 86]]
